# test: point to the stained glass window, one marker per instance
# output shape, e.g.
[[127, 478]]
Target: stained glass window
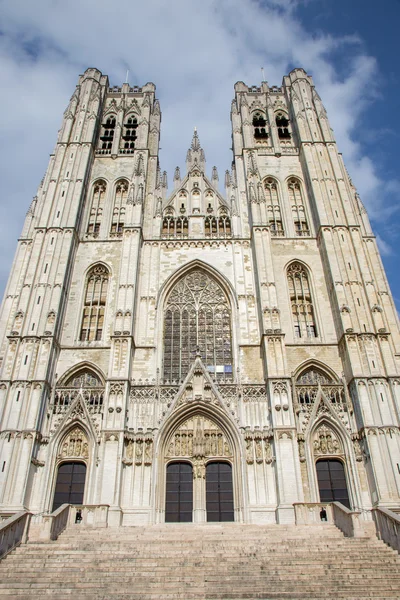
[[197, 319]]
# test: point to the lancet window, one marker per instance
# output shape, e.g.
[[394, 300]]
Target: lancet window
[[97, 207], [197, 320], [118, 217], [282, 123], [175, 227], [107, 136], [273, 208], [129, 135], [94, 304], [300, 298], [298, 209], [260, 126], [217, 227]]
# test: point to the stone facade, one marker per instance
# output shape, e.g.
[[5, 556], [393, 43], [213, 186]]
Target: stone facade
[[253, 327]]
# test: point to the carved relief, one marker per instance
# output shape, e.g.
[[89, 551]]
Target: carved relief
[[199, 437], [325, 441], [75, 444]]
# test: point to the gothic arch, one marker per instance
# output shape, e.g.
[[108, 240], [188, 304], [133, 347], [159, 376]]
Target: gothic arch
[[78, 368], [73, 423], [318, 445], [307, 304], [319, 366], [167, 287], [169, 283], [232, 452]]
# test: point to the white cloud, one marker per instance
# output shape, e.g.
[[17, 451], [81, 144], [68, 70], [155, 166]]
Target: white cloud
[[194, 52]]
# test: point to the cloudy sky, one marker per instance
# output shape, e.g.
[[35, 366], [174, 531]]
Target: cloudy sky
[[194, 51]]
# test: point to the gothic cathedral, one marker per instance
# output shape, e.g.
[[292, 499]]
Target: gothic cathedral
[[198, 355]]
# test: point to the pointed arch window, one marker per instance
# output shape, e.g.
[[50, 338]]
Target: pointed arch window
[[118, 217], [298, 208], [129, 135], [300, 298], [94, 304], [260, 126], [107, 136], [197, 319], [282, 123], [97, 207], [274, 215]]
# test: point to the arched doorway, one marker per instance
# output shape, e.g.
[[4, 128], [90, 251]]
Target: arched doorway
[[198, 440], [179, 493], [70, 484], [332, 481], [219, 492]]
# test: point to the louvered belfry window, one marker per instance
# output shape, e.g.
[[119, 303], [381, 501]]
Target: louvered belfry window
[[197, 319]]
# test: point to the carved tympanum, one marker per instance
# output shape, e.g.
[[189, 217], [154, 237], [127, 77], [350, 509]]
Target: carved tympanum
[[198, 437], [75, 444]]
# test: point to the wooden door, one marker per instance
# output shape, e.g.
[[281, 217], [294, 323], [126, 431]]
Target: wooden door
[[70, 485], [219, 492], [332, 482], [179, 493]]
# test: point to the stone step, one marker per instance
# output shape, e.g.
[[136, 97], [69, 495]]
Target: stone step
[[202, 563]]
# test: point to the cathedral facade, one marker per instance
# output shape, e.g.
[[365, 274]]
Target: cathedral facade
[[198, 355]]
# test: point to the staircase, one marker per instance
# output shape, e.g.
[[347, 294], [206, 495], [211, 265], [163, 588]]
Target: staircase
[[205, 561]]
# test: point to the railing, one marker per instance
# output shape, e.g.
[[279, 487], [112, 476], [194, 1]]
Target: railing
[[95, 515], [55, 523], [311, 513], [14, 531], [387, 525], [349, 522]]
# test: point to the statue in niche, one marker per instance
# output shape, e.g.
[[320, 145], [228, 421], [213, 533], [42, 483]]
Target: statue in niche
[[249, 451]]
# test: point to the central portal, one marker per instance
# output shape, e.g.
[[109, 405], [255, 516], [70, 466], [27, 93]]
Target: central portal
[[199, 473]]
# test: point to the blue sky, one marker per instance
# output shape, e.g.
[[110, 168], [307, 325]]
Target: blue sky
[[194, 52]]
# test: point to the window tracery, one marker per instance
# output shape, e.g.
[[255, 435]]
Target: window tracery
[[310, 381], [302, 306], [273, 208], [118, 217], [298, 208], [96, 210], [197, 319], [94, 304]]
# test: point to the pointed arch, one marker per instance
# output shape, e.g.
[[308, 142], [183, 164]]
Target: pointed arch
[[259, 123], [94, 303], [204, 419], [273, 204], [107, 132], [328, 442], [197, 318], [121, 188], [197, 263], [98, 196], [317, 366], [295, 188], [82, 367], [301, 299]]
